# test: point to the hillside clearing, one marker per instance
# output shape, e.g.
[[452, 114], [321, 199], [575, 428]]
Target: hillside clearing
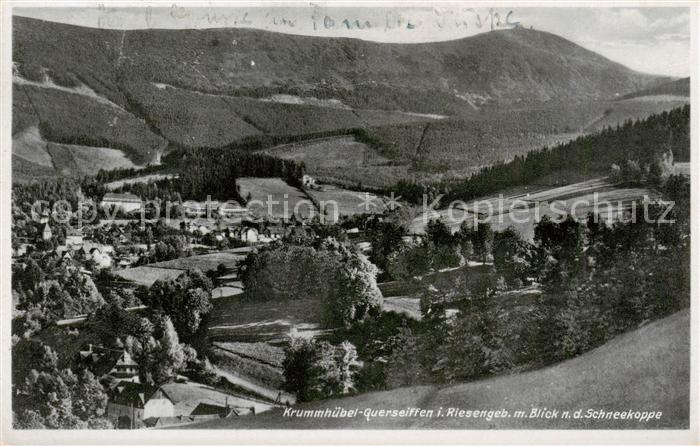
[[237, 319], [341, 159], [523, 211], [647, 369], [29, 145], [275, 198], [147, 275], [170, 269], [151, 178], [335, 200]]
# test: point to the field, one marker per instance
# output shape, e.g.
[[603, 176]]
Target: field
[[254, 366], [682, 169], [204, 262], [523, 210], [170, 269], [236, 319], [26, 171], [274, 197], [247, 336], [225, 291], [328, 153], [187, 396], [64, 159], [258, 351], [636, 108], [257, 372], [342, 159], [334, 199], [147, 275], [410, 306], [645, 369]]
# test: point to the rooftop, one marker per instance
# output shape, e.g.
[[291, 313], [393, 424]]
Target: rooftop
[[125, 197]]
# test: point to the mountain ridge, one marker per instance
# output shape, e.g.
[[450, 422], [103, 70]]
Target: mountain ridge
[[518, 65], [501, 93]]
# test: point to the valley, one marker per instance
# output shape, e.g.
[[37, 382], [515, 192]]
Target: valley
[[217, 228]]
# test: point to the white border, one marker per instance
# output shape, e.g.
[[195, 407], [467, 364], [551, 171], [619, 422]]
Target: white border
[[9, 436]]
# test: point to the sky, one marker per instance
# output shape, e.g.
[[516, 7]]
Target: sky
[[648, 39]]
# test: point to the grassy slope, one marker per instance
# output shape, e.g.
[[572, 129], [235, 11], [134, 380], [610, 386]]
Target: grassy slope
[[646, 369], [680, 87]]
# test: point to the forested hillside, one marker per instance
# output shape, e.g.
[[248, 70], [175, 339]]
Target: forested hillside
[[439, 109], [642, 141]]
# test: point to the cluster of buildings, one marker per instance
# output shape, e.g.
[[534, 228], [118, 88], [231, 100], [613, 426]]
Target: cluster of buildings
[[133, 404]]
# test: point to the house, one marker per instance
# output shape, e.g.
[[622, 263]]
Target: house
[[131, 403], [125, 368], [127, 202], [206, 411], [247, 234], [275, 232], [110, 364], [125, 262], [194, 209], [308, 181], [74, 238], [232, 210], [200, 225], [101, 258], [20, 250], [46, 233]]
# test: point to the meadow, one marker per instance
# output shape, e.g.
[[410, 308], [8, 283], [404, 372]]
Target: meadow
[[346, 202], [652, 359], [147, 275], [522, 210], [237, 319], [274, 197]]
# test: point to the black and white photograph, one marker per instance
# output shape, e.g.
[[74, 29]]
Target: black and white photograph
[[348, 218]]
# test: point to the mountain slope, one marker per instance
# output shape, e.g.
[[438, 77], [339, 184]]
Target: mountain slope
[[518, 65], [647, 369], [679, 87], [144, 92]]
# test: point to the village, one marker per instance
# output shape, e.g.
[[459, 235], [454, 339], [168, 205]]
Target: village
[[214, 227], [213, 237]]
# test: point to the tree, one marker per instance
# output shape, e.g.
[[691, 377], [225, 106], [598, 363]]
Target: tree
[[438, 233], [343, 280], [384, 237], [482, 239], [160, 359], [30, 354], [315, 370], [298, 365], [402, 369], [186, 300], [56, 399], [409, 260], [511, 256]]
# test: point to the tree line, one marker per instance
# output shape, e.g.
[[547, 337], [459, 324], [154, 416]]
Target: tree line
[[642, 141]]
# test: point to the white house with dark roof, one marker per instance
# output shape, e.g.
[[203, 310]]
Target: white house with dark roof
[[131, 403], [126, 201]]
